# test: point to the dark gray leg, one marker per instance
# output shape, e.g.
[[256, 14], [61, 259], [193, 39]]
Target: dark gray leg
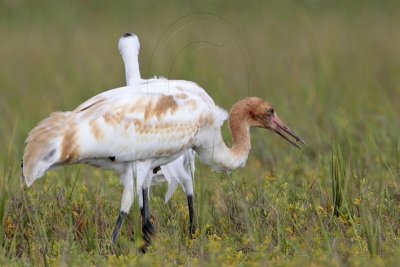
[[117, 229], [147, 226], [192, 218]]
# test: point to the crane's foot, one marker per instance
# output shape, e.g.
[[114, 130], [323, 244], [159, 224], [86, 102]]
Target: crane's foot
[[192, 230], [121, 217], [148, 231]]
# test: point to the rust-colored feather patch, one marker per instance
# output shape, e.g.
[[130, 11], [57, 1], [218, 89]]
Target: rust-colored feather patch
[[96, 131], [161, 107], [69, 145], [114, 119], [43, 144], [192, 104], [242, 113]]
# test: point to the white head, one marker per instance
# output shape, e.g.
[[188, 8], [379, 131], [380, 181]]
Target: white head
[[129, 42], [129, 47]]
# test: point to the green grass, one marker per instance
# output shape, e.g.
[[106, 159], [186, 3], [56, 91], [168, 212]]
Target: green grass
[[331, 69]]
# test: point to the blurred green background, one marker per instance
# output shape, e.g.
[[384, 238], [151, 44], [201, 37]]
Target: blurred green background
[[331, 69]]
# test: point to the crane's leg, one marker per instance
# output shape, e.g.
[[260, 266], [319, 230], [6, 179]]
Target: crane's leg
[[121, 217], [147, 226], [192, 218], [143, 179], [188, 185], [126, 202], [182, 171]]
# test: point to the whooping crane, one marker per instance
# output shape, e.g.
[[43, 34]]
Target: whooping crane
[[177, 172], [151, 124]]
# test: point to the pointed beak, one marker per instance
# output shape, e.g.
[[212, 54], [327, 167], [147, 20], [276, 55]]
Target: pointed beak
[[285, 132]]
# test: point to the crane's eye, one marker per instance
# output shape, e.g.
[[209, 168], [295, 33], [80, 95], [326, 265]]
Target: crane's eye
[[270, 111]]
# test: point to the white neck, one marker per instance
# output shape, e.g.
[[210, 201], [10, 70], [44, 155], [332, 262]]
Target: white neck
[[219, 156], [213, 151], [129, 48]]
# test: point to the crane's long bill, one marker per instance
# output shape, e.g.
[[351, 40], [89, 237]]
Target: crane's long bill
[[285, 132]]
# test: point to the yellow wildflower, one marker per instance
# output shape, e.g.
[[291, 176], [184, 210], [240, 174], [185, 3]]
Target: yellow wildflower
[[270, 176]]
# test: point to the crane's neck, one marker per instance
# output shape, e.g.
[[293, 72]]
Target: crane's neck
[[216, 153], [131, 61], [240, 130]]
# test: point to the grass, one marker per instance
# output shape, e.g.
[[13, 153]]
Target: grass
[[331, 69]]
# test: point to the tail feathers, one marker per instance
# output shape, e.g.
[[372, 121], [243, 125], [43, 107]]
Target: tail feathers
[[45, 146], [175, 173], [172, 186]]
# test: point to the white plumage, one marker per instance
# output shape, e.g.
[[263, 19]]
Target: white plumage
[[181, 170], [130, 124]]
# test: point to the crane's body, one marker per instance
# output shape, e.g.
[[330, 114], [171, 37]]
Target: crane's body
[[148, 123]]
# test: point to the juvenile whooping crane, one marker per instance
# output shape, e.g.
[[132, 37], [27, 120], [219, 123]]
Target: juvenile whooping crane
[[154, 123], [177, 172]]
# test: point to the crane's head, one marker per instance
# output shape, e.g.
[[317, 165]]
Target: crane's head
[[129, 42], [263, 115]]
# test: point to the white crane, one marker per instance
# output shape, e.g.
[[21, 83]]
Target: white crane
[[177, 172], [153, 123]]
